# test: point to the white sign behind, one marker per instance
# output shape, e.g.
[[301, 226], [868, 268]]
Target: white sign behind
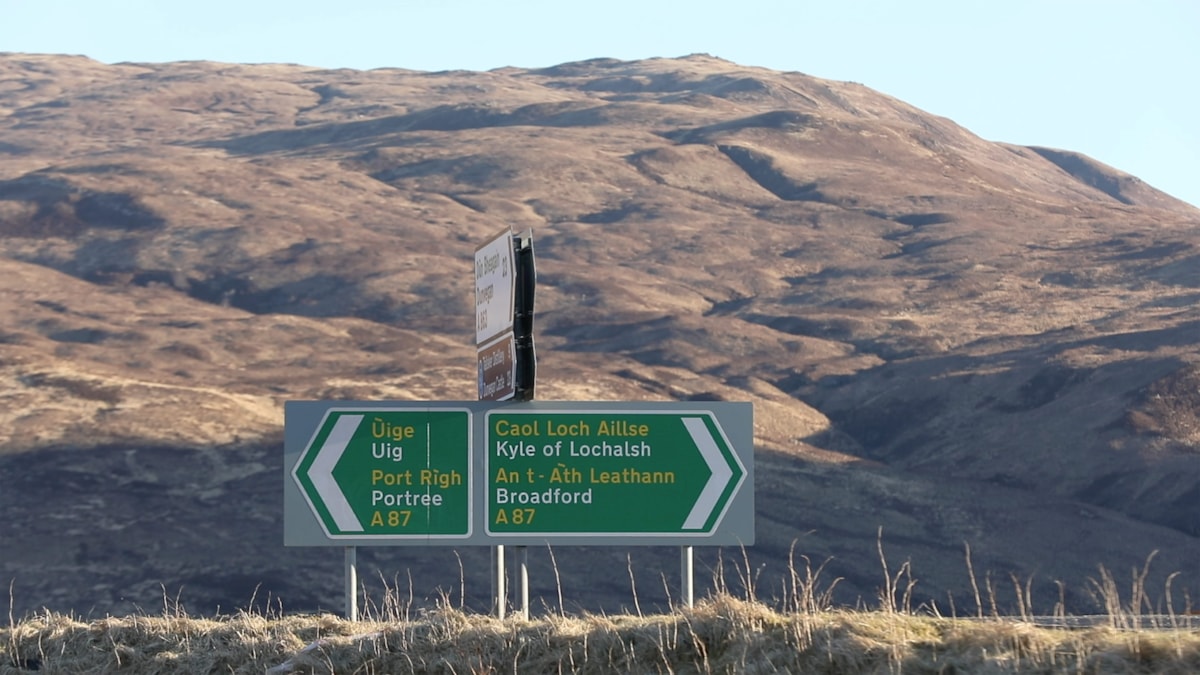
[[495, 286]]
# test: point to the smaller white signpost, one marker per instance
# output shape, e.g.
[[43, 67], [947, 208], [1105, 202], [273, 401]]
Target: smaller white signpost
[[495, 297], [579, 473]]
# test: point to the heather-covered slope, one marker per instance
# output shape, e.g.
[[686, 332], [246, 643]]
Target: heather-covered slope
[[956, 340]]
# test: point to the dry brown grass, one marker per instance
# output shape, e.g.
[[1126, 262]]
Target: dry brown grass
[[721, 634]]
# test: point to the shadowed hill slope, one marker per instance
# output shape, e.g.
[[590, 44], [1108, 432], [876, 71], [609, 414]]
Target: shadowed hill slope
[[956, 340]]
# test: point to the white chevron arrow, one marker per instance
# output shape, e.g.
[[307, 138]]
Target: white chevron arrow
[[721, 473], [321, 473]]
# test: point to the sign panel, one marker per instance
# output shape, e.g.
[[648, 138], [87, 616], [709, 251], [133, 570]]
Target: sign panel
[[481, 473], [389, 473], [498, 369], [614, 472], [495, 288]]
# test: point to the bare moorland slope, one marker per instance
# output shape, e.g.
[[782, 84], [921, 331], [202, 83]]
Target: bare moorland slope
[[952, 339]]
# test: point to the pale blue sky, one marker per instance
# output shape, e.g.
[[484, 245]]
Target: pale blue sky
[[1117, 80]]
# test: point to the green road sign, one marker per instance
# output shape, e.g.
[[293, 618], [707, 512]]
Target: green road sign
[[601, 472], [389, 473]]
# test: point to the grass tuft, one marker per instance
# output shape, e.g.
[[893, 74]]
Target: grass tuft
[[723, 633]]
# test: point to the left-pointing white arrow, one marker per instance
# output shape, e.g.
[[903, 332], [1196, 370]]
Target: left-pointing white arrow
[[321, 473], [721, 473]]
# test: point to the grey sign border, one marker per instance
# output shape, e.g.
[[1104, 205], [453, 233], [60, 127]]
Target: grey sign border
[[302, 527]]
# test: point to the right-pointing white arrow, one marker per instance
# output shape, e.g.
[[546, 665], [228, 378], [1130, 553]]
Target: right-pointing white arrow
[[721, 473], [321, 473]]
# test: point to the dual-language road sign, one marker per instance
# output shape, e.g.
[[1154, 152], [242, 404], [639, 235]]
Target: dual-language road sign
[[389, 473], [597, 472], [482, 473]]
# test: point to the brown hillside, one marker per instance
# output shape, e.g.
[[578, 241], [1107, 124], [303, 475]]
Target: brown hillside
[[956, 340]]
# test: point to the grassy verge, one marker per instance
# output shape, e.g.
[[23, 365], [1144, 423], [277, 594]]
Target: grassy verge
[[721, 634], [724, 633]]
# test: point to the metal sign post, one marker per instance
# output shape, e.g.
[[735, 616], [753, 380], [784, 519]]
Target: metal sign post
[[495, 311], [526, 364], [351, 583], [686, 569]]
